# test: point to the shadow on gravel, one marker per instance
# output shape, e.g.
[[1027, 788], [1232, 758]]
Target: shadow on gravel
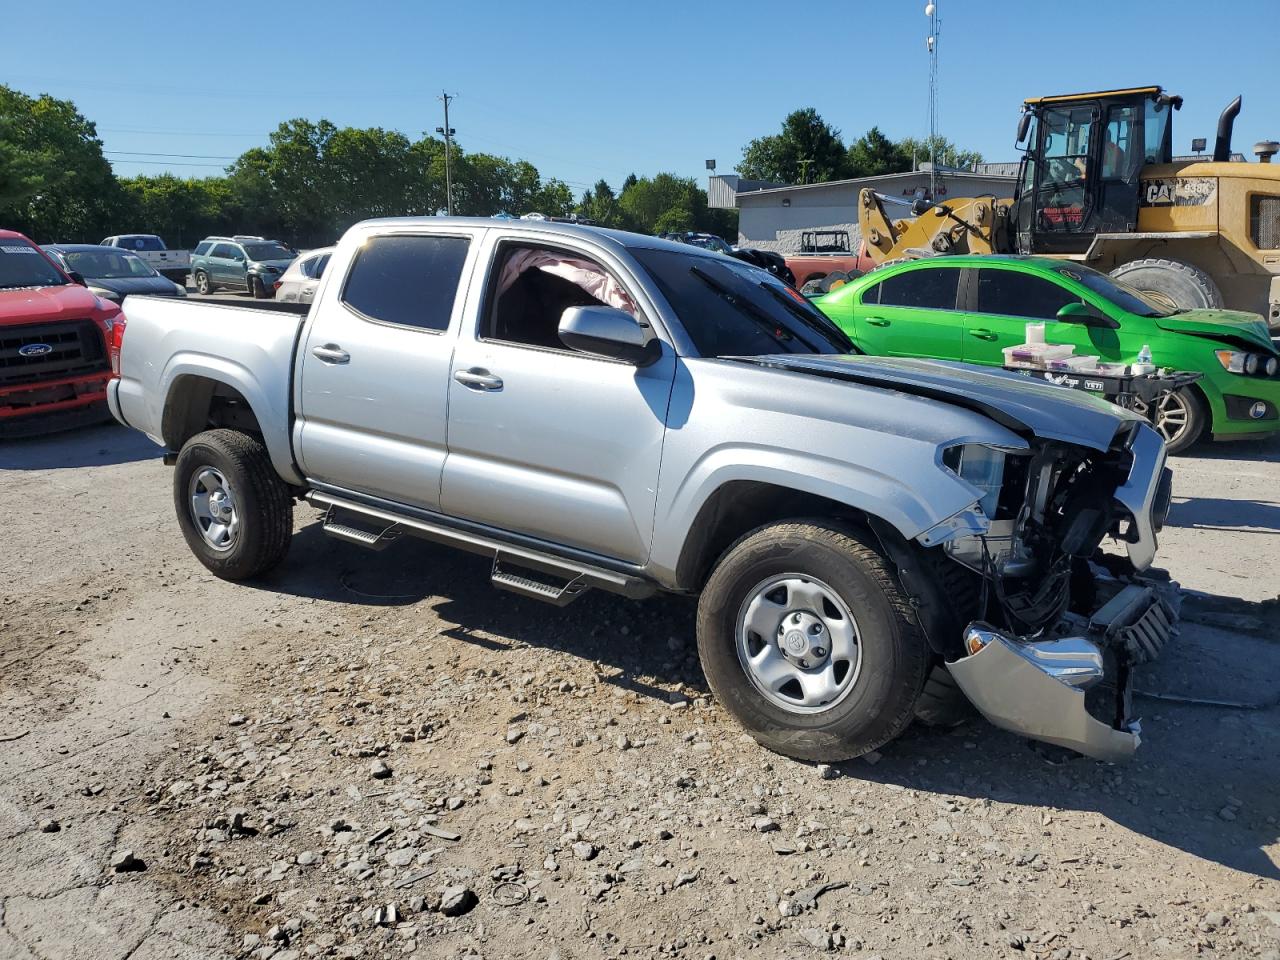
[[85, 447], [1240, 516], [1266, 450], [636, 644]]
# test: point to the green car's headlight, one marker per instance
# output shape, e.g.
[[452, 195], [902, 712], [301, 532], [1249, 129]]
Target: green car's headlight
[[1249, 364]]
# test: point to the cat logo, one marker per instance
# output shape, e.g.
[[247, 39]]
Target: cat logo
[[1179, 191]]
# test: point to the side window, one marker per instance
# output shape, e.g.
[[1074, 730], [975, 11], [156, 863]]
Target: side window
[[871, 295], [308, 267], [235, 253], [411, 281], [220, 250], [202, 248], [535, 285], [932, 288], [1120, 157], [317, 271], [1012, 293]]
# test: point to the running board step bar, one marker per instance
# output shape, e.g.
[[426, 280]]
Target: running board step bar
[[578, 576], [562, 596], [372, 539]]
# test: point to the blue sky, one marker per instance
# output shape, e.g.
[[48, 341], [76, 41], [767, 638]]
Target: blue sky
[[587, 90]]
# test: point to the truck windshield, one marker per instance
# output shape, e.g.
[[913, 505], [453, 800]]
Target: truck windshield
[[22, 265], [732, 309], [268, 251], [1118, 292]]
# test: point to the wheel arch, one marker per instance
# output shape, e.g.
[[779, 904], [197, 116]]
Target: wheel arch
[[198, 398]]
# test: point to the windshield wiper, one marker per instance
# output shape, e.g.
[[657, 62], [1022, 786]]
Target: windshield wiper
[[749, 309], [819, 323]]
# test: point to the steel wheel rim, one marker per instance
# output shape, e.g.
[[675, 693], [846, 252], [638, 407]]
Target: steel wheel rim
[[781, 625], [213, 508]]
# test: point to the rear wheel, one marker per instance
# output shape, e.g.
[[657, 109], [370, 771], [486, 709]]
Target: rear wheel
[[1173, 284], [807, 639], [203, 286], [235, 512]]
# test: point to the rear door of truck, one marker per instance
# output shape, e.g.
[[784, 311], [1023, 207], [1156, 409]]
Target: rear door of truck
[[374, 365]]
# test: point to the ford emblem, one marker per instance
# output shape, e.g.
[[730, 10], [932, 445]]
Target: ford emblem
[[34, 350]]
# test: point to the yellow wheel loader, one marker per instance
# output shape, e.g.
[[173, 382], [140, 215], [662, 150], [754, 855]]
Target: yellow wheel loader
[[1098, 184]]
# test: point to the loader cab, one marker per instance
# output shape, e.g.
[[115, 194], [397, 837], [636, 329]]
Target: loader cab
[[1080, 173]]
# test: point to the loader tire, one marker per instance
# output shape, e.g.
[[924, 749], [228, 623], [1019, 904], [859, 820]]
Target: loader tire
[[1173, 284]]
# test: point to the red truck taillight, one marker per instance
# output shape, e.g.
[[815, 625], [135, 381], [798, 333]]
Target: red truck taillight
[[115, 340]]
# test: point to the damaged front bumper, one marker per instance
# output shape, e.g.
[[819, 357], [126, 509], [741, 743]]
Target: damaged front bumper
[[1070, 686]]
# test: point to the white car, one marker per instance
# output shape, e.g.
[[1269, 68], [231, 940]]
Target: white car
[[298, 284]]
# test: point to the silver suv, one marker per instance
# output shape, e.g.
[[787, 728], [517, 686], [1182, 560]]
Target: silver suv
[[240, 263]]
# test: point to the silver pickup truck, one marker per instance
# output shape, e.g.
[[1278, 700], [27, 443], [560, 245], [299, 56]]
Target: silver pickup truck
[[870, 539]]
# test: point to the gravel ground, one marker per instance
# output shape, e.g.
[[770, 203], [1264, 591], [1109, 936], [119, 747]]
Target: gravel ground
[[375, 754]]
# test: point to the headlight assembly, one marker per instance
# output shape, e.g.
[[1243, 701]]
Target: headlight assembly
[[980, 466], [1248, 364]]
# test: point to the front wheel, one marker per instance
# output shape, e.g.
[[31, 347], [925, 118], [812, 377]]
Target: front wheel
[[1180, 416], [235, 512], [807, 639]]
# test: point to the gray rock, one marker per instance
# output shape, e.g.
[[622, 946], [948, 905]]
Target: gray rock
[[379, 770], [50, 826], [584, 850], [766, 825], [123, 861], [1227, 813], [457, 900]]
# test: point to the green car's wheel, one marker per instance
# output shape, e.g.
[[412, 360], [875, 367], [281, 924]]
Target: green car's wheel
[[1179, 416]]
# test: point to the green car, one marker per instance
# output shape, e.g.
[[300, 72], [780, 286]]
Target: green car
[[971, 307]]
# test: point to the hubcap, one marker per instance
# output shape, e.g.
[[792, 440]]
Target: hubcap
[[799, 644], [213, 508]]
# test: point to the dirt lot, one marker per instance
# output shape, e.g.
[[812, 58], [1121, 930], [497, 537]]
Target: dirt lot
[[377, 755]]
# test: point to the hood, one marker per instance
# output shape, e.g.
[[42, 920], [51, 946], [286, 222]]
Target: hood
[[152, 286], [42, 304], [1228, 324], [1023, 405]]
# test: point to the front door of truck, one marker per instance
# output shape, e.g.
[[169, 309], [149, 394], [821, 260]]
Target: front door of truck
[[374, 370], [911, 313], [544, 440]]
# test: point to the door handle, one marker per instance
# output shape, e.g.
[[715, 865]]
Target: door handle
[[478, 379], [877, 321], [331, 353], [983, 334]]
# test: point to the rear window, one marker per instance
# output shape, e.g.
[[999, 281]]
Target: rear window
[[141, 243], [929, 289], [1012, 293], [406, 280]]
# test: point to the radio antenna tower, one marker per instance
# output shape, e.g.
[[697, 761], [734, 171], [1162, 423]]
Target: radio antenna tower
[[931, 11]]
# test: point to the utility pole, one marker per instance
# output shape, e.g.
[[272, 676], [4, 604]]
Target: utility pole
[[931, 11], [448, 133], [804, 170]]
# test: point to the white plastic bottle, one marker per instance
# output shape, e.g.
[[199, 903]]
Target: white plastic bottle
[[1144, 364]]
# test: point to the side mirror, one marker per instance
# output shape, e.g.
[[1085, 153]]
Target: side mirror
[[1086, 314], [1024, 127], [77, 278], [608, 332]]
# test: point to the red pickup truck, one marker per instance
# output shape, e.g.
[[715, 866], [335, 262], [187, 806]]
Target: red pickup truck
[[54, 343]]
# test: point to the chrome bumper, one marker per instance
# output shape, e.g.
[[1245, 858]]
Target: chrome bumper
[[1038, 687]]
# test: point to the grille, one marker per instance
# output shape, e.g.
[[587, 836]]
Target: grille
[[1264, 222], [77, 349]]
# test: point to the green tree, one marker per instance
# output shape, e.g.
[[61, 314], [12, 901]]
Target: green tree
[[948, 153], [55, 183], [874, 154], [807, 150]]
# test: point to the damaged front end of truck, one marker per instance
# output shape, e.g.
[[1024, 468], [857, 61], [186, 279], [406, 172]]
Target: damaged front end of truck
[[1039, 626]]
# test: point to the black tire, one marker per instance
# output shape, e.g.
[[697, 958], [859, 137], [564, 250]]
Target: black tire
[[263, 506], [256, 288], [204, 286], [1178, 285], [894, 654], [1196, 414], [942, 703]]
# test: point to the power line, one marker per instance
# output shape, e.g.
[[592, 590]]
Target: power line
[[169, 163], [190, 156]]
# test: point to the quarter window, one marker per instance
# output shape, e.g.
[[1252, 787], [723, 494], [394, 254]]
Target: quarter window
[[221, 250], [1011, 293], [202, 248], [931, 288], [411, 281]]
